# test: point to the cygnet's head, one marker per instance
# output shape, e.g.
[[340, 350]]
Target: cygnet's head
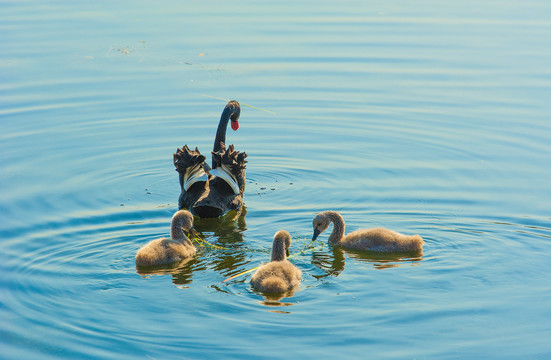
[[280, 247], [320, 223], [184, 220]]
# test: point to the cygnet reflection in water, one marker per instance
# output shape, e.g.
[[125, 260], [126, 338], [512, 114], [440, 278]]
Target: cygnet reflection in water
[[181, 271], [332, 263]]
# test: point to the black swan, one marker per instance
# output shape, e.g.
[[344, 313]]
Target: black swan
[[378, 239], [213, 191], [178, 247], [279, 275]]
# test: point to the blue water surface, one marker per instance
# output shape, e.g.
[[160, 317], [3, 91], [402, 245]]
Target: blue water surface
[[426, 118]]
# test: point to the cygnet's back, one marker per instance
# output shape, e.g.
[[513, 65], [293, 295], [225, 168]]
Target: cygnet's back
[[381, 240], [164, 251], [279, 275]]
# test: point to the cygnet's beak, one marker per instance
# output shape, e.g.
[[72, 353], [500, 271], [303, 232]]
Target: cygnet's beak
[[287, 252], [194, 232], [316, 234]]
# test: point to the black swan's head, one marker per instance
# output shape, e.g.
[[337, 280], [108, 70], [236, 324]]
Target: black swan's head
[[234, 110]]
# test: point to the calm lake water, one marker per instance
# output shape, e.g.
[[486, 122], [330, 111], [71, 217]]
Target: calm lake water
[[426, 118]]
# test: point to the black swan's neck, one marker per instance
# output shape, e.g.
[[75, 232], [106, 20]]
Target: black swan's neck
[[231, 112]]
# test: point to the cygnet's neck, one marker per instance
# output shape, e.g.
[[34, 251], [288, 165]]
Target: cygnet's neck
[[177, 233], [338, 227], [278, 250]]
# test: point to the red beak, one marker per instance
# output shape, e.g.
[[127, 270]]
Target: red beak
[[234, 125]]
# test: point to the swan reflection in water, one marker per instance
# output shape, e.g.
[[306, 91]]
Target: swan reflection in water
[[332, 262], [226, 232], [275, 300], [181, 271]]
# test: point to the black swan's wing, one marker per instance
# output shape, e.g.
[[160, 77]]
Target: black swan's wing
[[230, 165], [190, 164]]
